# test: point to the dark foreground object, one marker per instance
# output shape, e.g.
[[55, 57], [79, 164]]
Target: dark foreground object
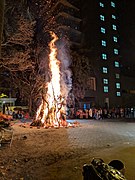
[[98, 170]]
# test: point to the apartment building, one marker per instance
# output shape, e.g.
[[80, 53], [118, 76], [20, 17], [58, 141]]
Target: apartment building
[[68, 20], [100, 31]]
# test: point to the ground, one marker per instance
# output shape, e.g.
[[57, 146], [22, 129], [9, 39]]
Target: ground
[[47, 154]]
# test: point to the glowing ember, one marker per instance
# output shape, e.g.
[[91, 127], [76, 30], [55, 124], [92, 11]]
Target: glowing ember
[[51, 111]]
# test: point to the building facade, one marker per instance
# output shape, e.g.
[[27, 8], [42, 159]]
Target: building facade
[[68, 20], [100, 31], [95, 27]]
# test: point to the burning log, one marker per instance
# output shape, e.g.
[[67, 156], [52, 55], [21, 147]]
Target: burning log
[[55, 116]]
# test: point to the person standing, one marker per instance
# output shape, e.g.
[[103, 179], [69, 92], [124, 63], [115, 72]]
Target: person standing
[[90, 113]]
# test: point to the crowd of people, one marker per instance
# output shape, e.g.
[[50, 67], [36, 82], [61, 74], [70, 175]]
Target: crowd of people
[[92, 113], [100, 113], [17, 114]]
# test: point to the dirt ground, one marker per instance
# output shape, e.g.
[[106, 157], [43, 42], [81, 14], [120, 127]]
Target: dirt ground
[[46, 154]]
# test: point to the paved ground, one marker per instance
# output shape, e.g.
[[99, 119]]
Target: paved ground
[[118, 136], [59, 154], [101, 133]]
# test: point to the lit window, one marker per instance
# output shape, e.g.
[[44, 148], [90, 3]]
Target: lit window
[[115, 39], [112, 4], [113, 16], [116, 51], [102, 18], [104, 56], [118, 85], [101, 4], [103, 30], [114, 27], [103, 43], [105, 89], [105, 81], [117, 76], [104, 70], [118, 93], [117, 64]]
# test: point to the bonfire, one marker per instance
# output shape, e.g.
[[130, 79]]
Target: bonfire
[[51, 112]]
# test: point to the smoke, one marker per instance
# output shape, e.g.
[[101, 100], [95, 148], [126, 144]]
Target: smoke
[[63, 55], [66, 74]]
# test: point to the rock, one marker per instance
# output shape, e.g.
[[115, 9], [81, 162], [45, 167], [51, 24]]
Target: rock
[[1, 167], [15, 160], [24, 137], [26, 160]]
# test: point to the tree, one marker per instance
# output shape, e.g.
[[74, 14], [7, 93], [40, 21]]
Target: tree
[[18, 56], [81, 69], [23, 55]]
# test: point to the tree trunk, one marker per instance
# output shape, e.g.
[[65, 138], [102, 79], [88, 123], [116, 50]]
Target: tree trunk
[[2, 6]]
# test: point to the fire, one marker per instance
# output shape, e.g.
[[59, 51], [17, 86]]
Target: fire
[[52, 105]]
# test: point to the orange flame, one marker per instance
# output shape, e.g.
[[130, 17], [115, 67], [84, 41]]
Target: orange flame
[[51, 105]]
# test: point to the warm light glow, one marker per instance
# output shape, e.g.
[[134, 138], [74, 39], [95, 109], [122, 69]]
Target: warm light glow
[[49, 112]]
